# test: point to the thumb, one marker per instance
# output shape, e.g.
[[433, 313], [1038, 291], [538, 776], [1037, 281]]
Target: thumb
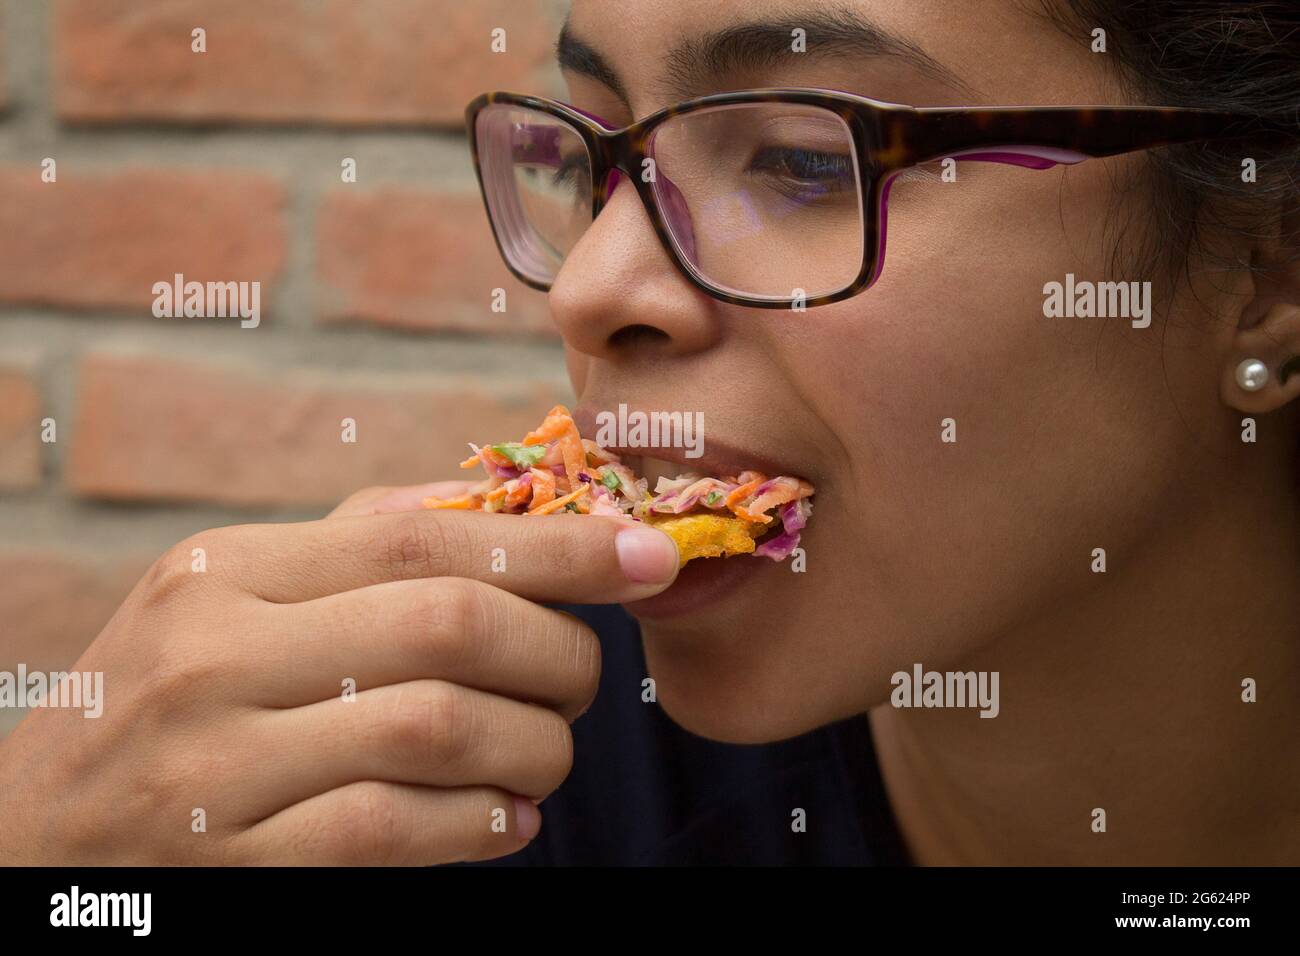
[[378, 501]]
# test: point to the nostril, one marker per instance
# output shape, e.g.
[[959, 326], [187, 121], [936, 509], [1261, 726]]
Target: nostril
[[630, 336]]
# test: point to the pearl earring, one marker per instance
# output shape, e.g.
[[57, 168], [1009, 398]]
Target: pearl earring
[[1252, 375]]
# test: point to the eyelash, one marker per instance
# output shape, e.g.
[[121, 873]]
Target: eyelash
[[567, 172], [838, 165]]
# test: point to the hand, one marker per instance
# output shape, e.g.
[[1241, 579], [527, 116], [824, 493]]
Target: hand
[[224, 692]]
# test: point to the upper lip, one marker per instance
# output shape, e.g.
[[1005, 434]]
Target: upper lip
[[718, 459]]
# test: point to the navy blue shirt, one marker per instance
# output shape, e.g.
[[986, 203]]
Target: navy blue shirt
[[643, 791]]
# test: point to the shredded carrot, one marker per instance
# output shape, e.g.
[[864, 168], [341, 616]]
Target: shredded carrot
[[575, 459], [518, 495], [560, 428], [543, 486], [559, 503], [739, 494], [460, 502], [787, 489], [496, 494], [552, 427], [743, 491], [470, 462]]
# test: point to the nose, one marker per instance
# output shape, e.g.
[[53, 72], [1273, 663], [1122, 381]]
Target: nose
[[618, 290]]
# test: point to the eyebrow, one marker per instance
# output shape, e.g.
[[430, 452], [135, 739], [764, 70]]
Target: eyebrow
[[697, 65], [580, 57]]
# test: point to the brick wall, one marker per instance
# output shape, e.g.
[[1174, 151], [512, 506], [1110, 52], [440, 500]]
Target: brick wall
[[227, 166]]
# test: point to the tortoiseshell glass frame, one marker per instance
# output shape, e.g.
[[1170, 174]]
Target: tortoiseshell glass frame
[[888, 138]]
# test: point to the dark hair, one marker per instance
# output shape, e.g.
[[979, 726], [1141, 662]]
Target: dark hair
[[1234, 55]]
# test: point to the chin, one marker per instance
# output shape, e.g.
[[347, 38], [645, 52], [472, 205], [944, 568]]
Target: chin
[[724, 688], [747, 650]]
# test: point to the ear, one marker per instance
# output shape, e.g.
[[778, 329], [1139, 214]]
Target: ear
[[1268, 328], [1275, 341]]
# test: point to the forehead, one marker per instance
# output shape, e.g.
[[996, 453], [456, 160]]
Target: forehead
[[924, 52]]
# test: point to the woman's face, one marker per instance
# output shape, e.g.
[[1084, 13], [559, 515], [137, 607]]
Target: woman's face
[[1071, 434]]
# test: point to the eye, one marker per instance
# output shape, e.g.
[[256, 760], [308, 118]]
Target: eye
[[804, 174], [571, 171]]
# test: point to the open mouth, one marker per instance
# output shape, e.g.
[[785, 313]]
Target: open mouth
[[555, 470]]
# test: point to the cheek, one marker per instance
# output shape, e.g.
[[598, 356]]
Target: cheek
[[1062, 435]]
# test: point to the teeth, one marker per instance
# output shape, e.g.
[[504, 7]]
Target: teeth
[[652, 469]]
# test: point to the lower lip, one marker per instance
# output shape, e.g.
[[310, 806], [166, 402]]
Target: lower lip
[[699, 584]]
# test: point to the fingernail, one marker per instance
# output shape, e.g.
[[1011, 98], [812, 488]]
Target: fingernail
[[646, 556], [528, 819]]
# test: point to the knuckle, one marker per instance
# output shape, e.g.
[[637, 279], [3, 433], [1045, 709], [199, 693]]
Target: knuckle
[[369, 828], [447, 731], [566, 554], [430, 727], [454, 605], [416, 547], [179, 676], [444, 621], [172, 577], [200, 564], [555, 547]]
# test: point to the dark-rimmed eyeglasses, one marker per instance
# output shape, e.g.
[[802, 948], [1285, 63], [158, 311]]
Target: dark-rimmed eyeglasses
[[768, 198]]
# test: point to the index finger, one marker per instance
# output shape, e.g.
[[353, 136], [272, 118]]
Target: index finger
[[581, 559]]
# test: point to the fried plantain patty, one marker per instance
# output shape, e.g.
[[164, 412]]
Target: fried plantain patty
[[708, 535]]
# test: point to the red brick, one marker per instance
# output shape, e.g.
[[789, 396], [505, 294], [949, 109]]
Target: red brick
[[421, 260], [54, 604], [150, 428], [20, 442], [104, 241], [389, 62]]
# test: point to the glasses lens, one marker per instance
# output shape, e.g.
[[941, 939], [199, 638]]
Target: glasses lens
[[536, 174], [762, 199]]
